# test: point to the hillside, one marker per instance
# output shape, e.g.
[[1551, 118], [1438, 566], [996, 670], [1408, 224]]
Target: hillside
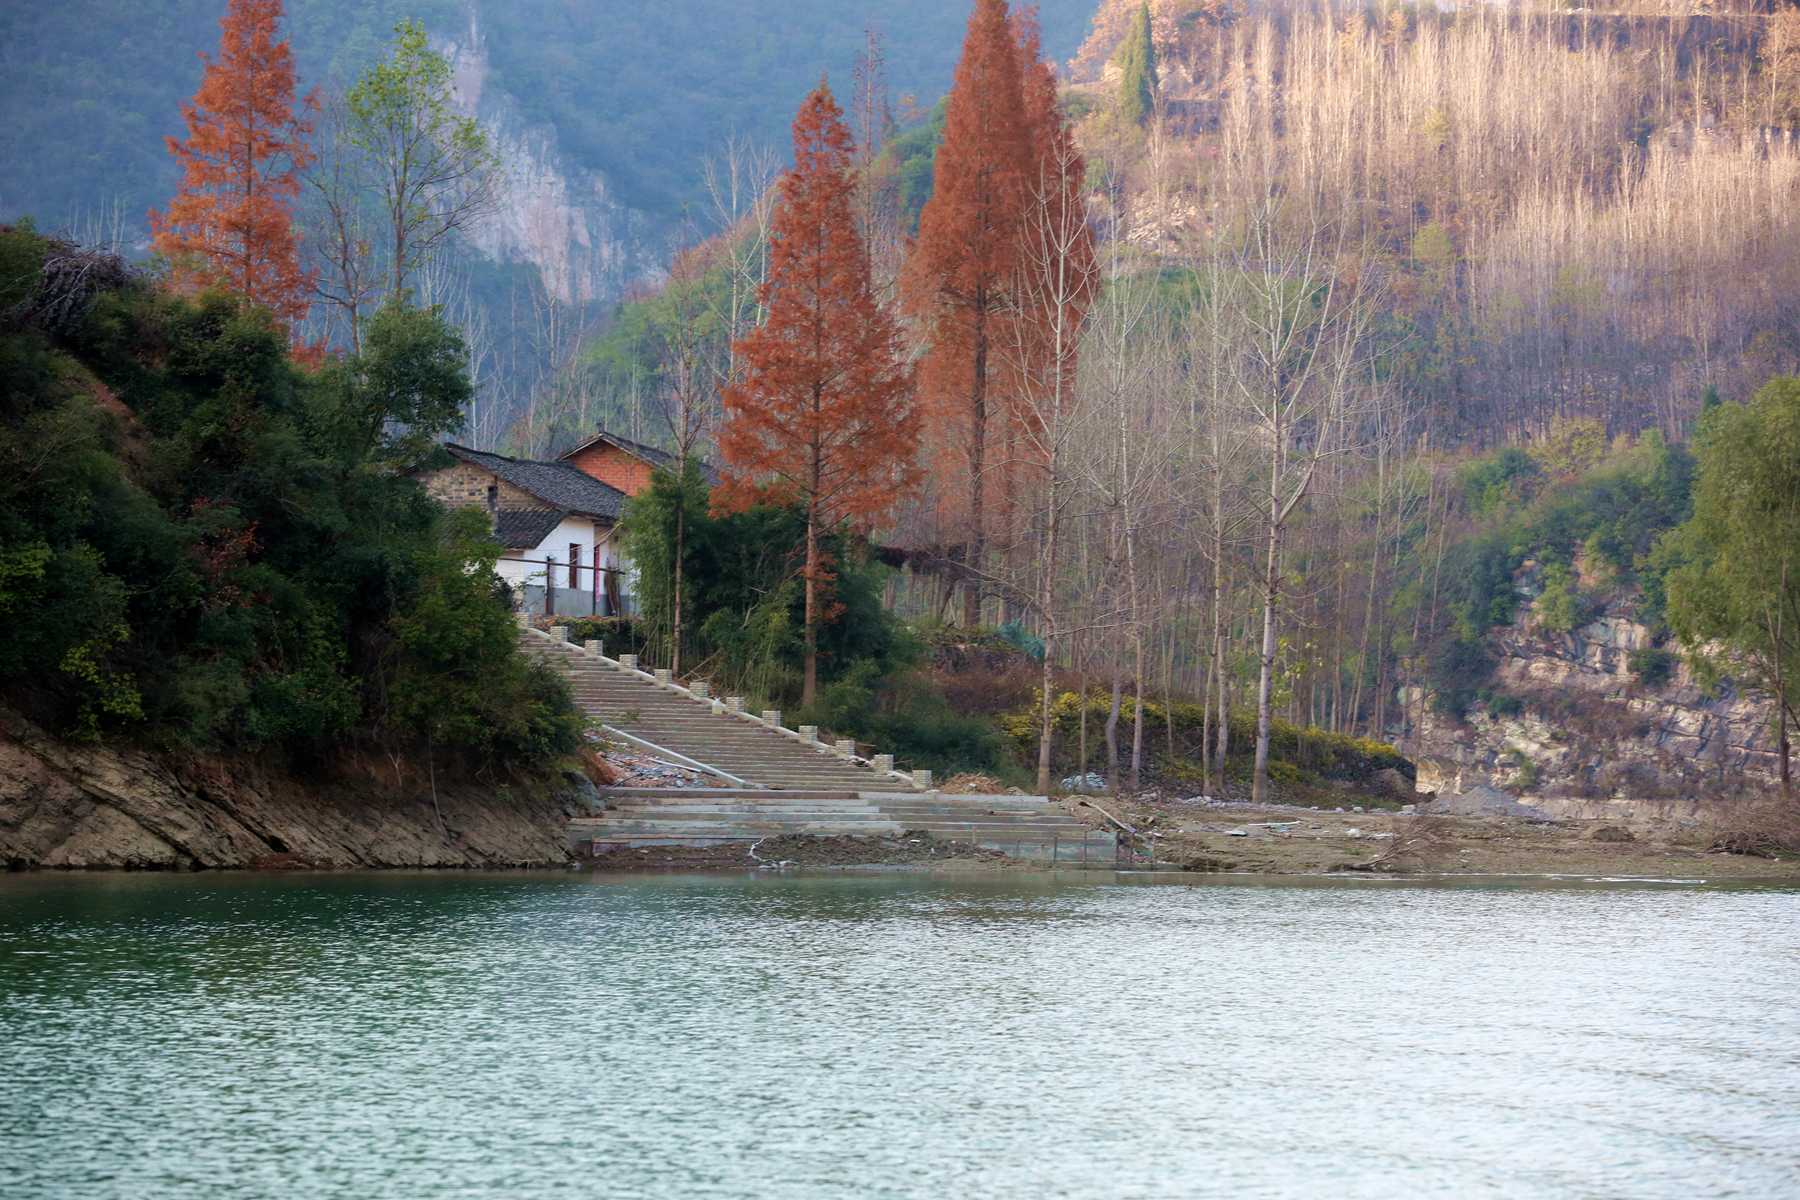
[[642, 93]]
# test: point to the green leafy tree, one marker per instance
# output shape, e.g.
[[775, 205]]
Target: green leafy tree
[[205, 547], [1556, 608], [436, 173], [1736, 605], [414, 383], [1136, 60]]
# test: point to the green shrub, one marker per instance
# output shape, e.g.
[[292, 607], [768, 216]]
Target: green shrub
[[1556, 608], [242, 561], [1652, 667], [1290, 775]]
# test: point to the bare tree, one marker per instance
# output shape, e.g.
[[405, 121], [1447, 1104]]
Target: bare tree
[[1058, 283], [1304, 378], [339, 224]]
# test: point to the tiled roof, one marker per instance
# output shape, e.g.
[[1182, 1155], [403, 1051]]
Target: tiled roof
[[526, 528], [557, 484], [650, 454]]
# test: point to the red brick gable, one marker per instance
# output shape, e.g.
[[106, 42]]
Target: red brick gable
[[609, 464]]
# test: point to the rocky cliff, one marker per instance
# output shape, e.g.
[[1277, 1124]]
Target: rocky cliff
[[555, 213], [73, 806], [1577, 730]]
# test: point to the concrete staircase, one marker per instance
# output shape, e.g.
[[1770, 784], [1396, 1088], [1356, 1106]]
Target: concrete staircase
[[775, 781], [687, 727], [1026, 827]]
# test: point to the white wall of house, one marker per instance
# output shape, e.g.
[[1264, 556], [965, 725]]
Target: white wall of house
[[527, 566], [596, 542]]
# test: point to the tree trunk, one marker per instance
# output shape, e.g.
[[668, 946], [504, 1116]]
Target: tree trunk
[[1206, 742], [1781, 698], [1222, 746], [1048, 567], [1112, 736], [1217, 672], [809, 687], [1137, 722], [1081, 773], [680, 535], [1043, 763], [1265, 690], [977, 469]]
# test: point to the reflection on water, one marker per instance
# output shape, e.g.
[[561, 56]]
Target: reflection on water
[[540, 1036]]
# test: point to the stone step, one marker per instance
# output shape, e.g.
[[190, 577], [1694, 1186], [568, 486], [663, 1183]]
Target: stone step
[[780, 803], [1095, 853], [806, 788], [1024, 828], [704, 817], [695, 729]]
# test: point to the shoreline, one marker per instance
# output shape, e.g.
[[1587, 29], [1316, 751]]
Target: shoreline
[[1174, 836]]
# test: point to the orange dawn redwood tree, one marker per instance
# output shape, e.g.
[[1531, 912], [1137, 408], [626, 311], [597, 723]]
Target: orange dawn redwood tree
[[823, 408], [230, 223], [961, 268]]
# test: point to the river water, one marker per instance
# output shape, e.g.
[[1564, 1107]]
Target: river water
[[452, 1036]]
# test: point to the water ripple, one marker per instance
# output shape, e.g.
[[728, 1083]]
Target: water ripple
[[407, 1036]]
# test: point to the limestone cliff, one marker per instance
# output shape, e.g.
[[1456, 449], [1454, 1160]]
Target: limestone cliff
[[1592, 736], [71, 806], [555, 213]]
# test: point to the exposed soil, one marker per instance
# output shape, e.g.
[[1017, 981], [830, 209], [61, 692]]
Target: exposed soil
[[1237, 837], [1285, 839]]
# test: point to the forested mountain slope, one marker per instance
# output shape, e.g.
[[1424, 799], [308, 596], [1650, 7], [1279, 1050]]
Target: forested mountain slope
[[89, 88]]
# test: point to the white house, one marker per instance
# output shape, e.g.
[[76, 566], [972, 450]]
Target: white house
[[557, 525]]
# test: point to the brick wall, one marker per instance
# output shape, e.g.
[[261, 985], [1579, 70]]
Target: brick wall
[[609, 464], [466, 486]]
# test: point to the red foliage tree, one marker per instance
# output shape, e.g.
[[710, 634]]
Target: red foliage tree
[[959, 276], [823, 410], [231, 221]]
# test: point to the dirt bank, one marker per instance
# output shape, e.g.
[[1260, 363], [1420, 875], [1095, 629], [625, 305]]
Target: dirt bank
[[1287, 840], [1278, 840], [79, 806]]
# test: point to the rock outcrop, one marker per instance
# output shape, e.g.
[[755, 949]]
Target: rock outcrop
[[76, 806], [1576, 730], [554, 213]]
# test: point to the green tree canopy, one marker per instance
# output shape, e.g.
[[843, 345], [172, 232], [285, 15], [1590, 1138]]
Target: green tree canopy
[[1735, 605], [1136, 60], [204, 546]]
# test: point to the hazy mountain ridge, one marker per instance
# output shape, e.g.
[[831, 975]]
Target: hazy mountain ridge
[[636, 98]]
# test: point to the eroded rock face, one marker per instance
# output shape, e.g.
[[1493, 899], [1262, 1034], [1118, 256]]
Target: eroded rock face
[[1591, 735], [70, 806], [554, 213]]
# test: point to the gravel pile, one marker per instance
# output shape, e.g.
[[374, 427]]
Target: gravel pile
[[1485, 801], [647, 771]]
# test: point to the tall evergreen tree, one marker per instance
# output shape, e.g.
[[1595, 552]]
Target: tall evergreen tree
[[231, 221], [961, 271], [1136, 59], [824, 407]]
